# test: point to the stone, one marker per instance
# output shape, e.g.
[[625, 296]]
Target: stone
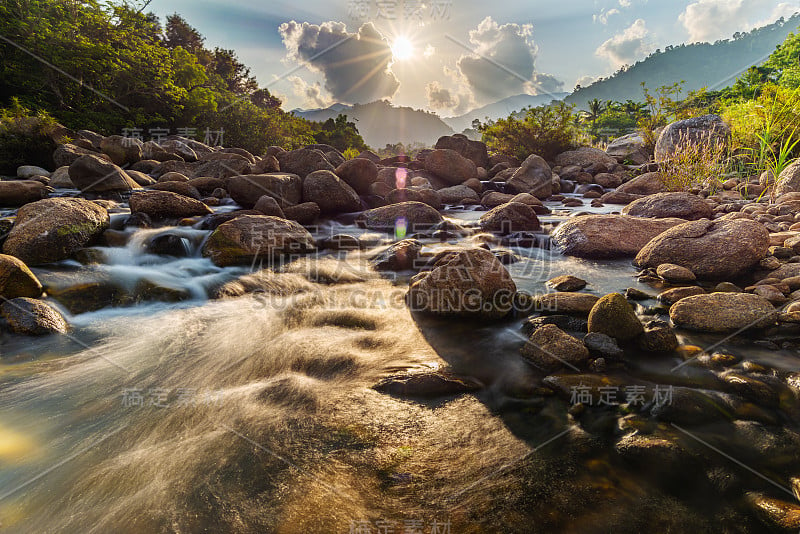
[[59, 178], [585, 157], [776, 514], [415, 215], [121, 150], [664, 205], [16, 280], [608, 236], [789, 179], [671, 296], [705, 129], [53, 229], [458, 194], [251, 237], [359, 174], [602, 345], [675, 274], [305, 213], [400, 256], [608, 181], [32, 317], [566, 283], [564, 302], [472, 150], [303, 162], [140, 178], [332, 194], [166, 205], [630, 149], [221, 168], [397, 196], [613, 316], [617, 197], [534, 177], [94, 174], [550, 348], [658, 336], [173, 177], [469, 283], [722, 249], [492, 199], [450, 166], [511, 217], [723, 312], [646, 184], [180, 188], [427, 384], [269, 206], [19, 192], [245, 190], [26, 172], [65, 154]]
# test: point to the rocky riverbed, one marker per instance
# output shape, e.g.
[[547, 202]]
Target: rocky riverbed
[[200, 338]]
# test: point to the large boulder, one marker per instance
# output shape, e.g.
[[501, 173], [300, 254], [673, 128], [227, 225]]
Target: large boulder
[[66, 154], [54, 228], [32, 317], [358, 173], [722, 249], [511, 217], [608, 236], [18, 192], [585, 157], [472, 150], [629, 149], [450, 166], [304, 161], [121, 150], [663, 205], [287, 189], [92, 173], [415, 215], [534, 177], [706, 129], [16, 280], [457, 194], [649, 183], [331, 194], [789, 179], [613, 316], [467, 283], [166, 205], [250, 237], [217, 169], [723, 312]]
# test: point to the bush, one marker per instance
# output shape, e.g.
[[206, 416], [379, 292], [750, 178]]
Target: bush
[[25, 139], [695, 165], [545, 130]]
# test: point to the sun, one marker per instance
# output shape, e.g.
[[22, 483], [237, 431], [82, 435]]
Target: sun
[[402, 49]]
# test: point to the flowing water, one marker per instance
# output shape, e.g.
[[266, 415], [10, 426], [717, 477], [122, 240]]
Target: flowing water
[[257, 414]]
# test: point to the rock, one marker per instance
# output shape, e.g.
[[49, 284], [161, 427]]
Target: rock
[[32, 317], [710, 249], [64, 155], [330, 193], [602, 345], [550, 348], [778, 515], [168, 245], [450, 166], [664, 205], [469, 283], [608, 236], [52, 229], [173, 177], [675, 273], [250, 237], [789, 179], [658, 336], [671, 296], [179, 188], [19, 192], [166, 205], [359, 174], [269, 206], [511, 217], [398, 257], [121, 150], [371, 156], [613, 316], [492, 199], [565, 303], [646, 184], [630, 149], [26, 172], [92, 173], [706, 129], [16, 280], [427, 384], [416, 215], [585, 157], [457, 194], [472, 150], [59, 179], [287, 189], [615, 197], [221, 169], [533, 177], [608, 181], [305, 213], [140, 178], [396, 196], [566, 283], [303, 162], [723, 312]]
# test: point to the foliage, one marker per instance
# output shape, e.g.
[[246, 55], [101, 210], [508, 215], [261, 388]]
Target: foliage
[[700, 164], [351, 153], [545, 130], [340, 134], [25, 138]]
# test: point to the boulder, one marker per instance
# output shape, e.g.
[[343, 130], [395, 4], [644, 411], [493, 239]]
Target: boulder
[[469, 283], [250, 237], [608, 236], [566, 283], [166, 205], [789, 179], [664, 205], [180, 188], [32, 317], [416, 216], [305, 213], [511, 217], [472, 150], [658, 336], [565, 303], [630, 149], [534, 177], [704, 129], [16, 280], [450, 166], [549, 348], [675, 274], [19, 192], [457, 194], [613, 316], [722, 249], [53, 229], [92, 173], [287, 189], [400, 256], [64, 155], [173, 177], [303, 162], [59, 179], [331, 194], [121, 150], [585, 157], [648, 183], [358, 173], [26, 172], [220, 169], [140, 178], [723, 312], [396, 196], [671, 296], [269, 206]]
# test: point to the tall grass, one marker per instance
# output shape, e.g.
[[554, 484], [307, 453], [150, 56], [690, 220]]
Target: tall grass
[[696, 163]]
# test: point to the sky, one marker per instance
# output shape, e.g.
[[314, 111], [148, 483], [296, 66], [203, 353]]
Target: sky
[[450, 56]]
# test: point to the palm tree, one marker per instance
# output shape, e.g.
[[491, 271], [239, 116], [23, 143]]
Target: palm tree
[[596, 108]]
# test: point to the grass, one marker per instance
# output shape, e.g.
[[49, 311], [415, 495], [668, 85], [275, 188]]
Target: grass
[[696, 164]]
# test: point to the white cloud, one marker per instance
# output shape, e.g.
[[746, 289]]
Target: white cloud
[[604, 15], [430, 50], [626, 47], [310, 93], [586, 81], [784, 9], [709, 20], [625, 3]]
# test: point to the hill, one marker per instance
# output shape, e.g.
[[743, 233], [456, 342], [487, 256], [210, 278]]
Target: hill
[[699, 65], [500, 109]]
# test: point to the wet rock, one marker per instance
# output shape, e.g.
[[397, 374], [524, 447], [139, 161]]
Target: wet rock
[[16, 280], [305, 213], [32, 317], [613, 316], [550, 348], [166, 205], [565, 302], [723, 312], [511, 217], [458, 194], [568, 323], [450, 166], [19, 192], [777, 514], [427, 384], [287, 189], [534, 177], [636, 294], [602, 345], [706, 129], [710, 249], [359, 174], [663, 205], [250, 237], [400, 256], [665, 460], [168, 245], [657, 336], [89, 296], [685, 406], [646, 184], [415, 215], [92, 173], [608, 236], [675, 274], [269, 206], [330, 193], [566, 283], [467, 283], [52, 229], [671, 296]]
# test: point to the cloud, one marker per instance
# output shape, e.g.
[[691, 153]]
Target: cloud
[[626, 47], [355, 65], [503, 63], [625, 3], [585, 81], [311, 93], [604, 15], [443, 99], [709, 20], [430, 50]]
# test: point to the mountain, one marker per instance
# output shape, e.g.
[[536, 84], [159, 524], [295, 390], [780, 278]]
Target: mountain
[[381, 123], [500, 109], [701, 65]]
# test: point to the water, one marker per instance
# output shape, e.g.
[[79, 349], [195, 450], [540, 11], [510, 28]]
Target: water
[[257, 414]]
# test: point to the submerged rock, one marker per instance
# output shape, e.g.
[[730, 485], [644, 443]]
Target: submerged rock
[[550, 348], [723, 312], [511, 217], [166, 205], [32, 317], [415, 216], [427, 384], [566, 283]]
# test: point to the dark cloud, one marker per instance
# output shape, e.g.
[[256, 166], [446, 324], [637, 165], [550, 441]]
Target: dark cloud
[[355, 65], [443, 99]]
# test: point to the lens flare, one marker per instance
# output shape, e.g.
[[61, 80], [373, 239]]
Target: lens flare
[[400, 177], [400, 228]]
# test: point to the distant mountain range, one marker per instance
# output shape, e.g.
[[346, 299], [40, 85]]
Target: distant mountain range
[[500, 109]]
